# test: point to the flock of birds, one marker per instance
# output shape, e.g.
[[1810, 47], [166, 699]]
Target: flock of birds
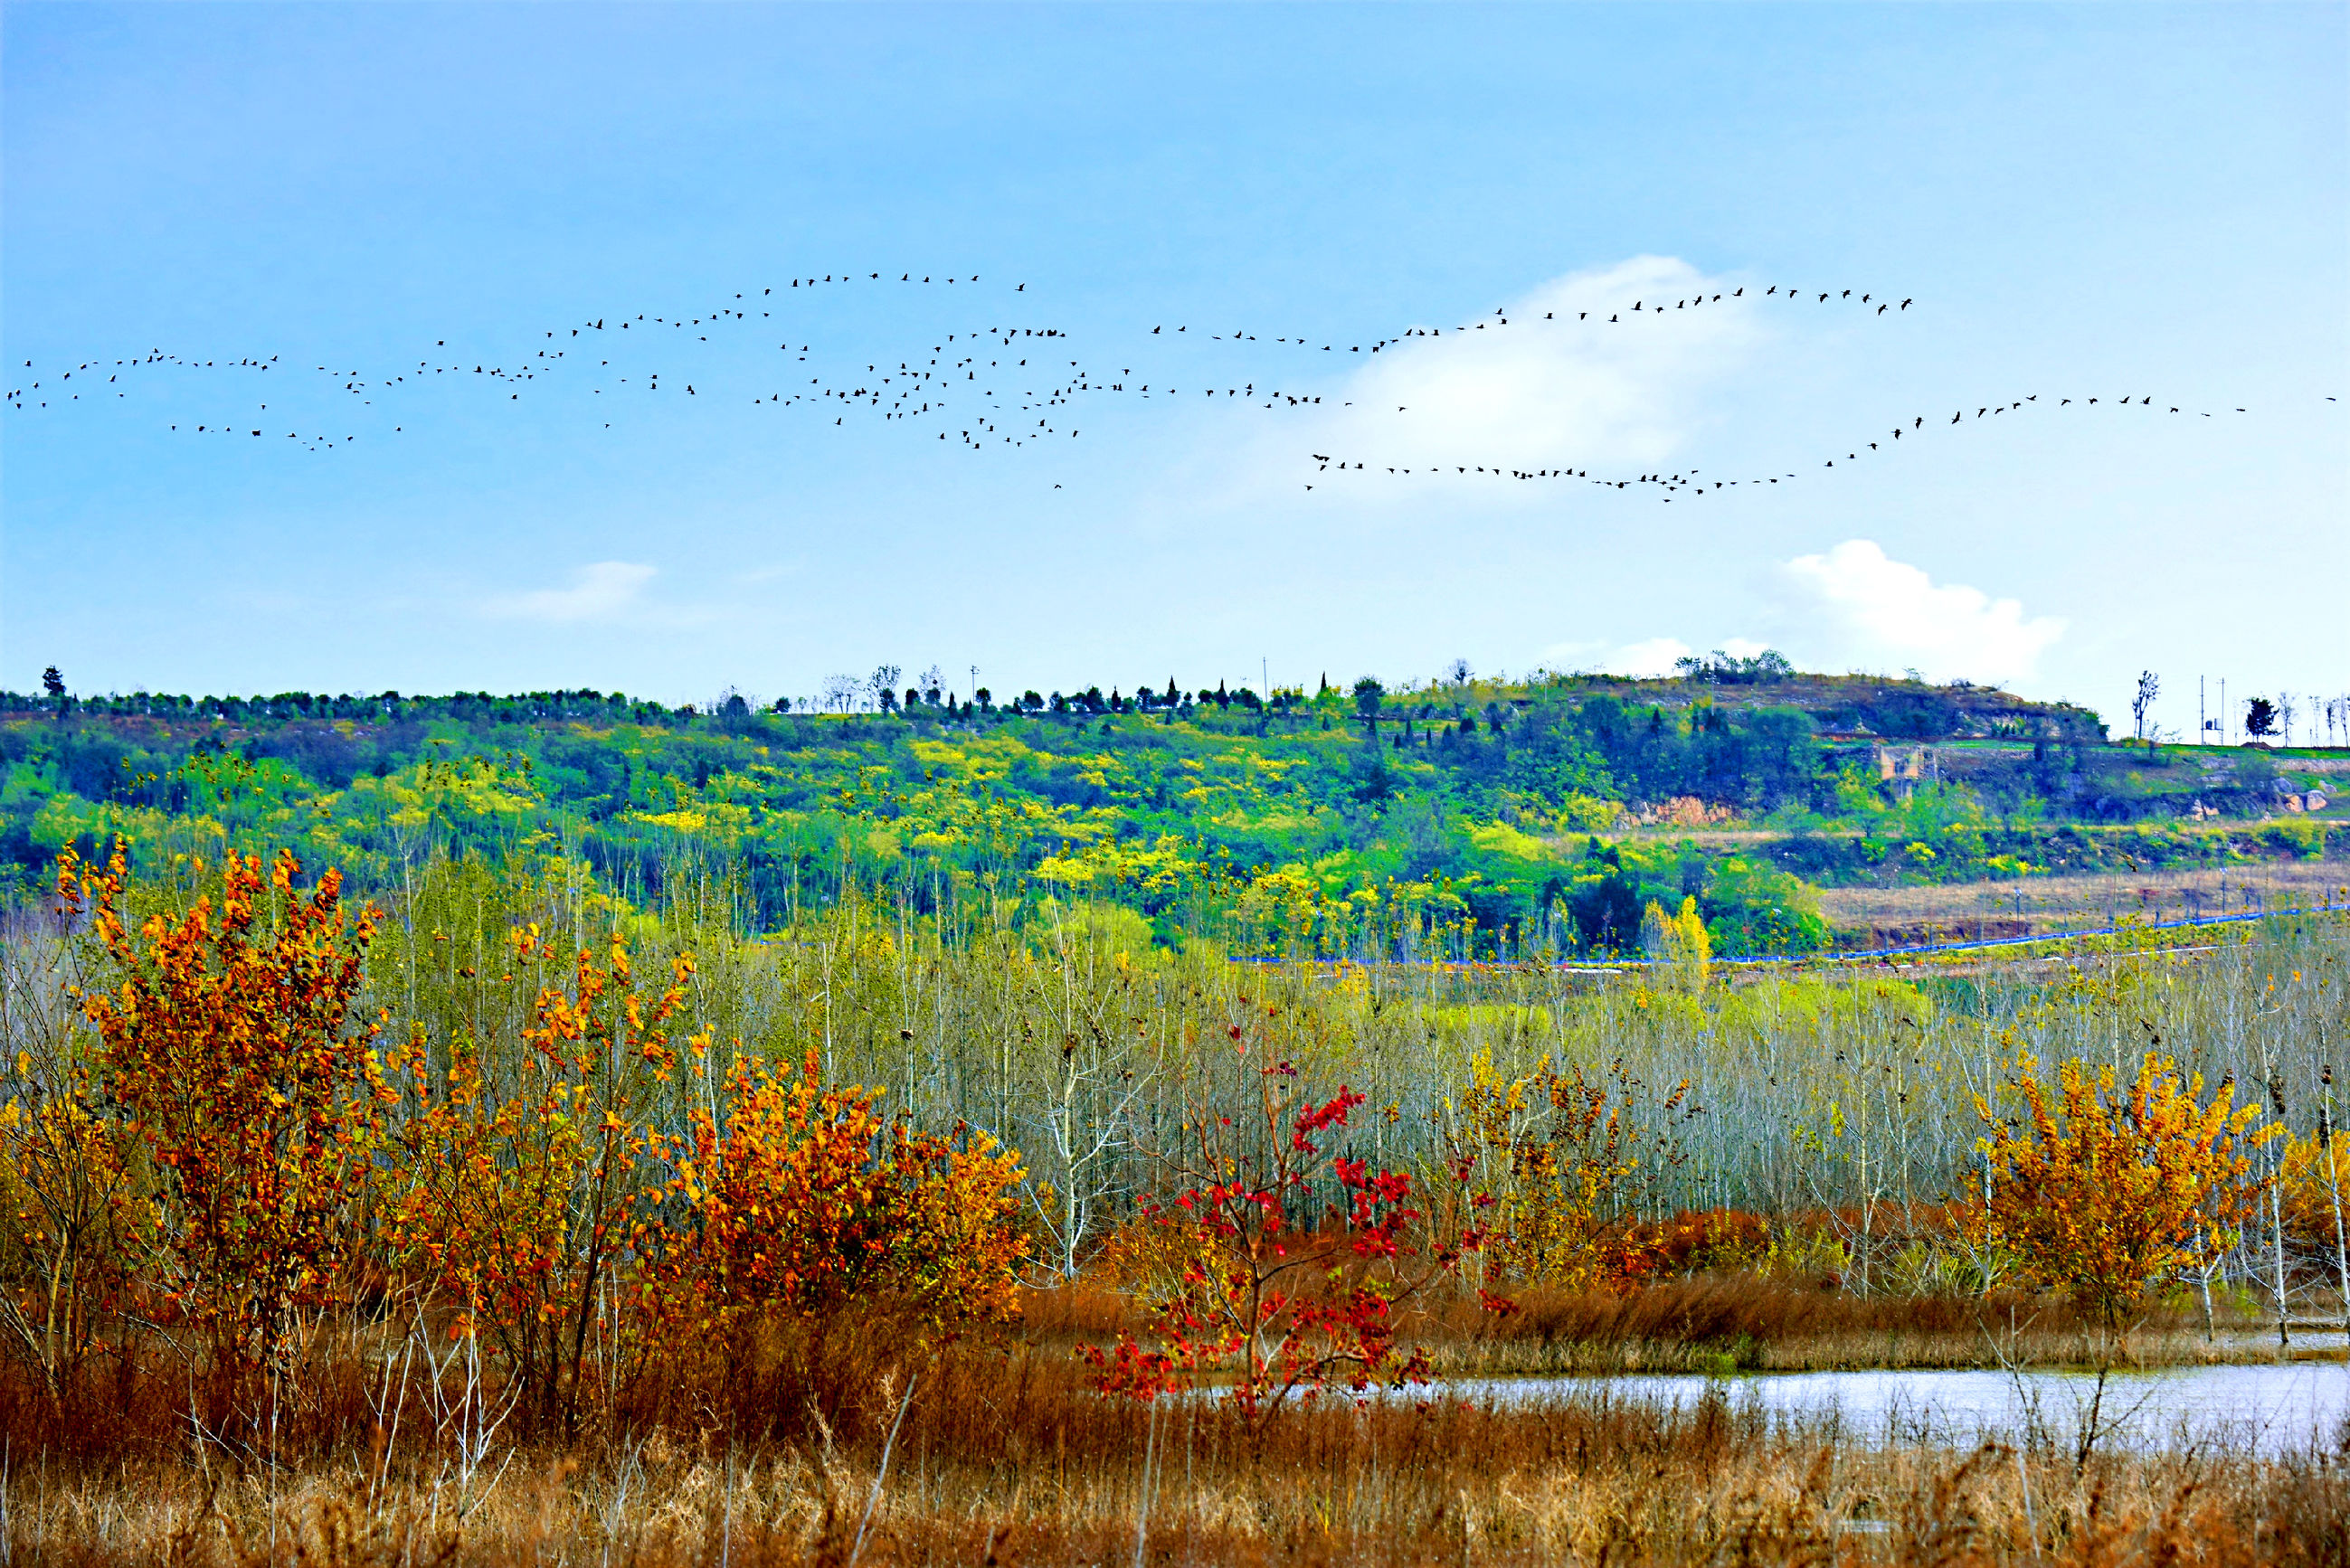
[[1691, 484], [999, 386], [906, 392]]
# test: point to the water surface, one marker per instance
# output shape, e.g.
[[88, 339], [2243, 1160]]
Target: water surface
[[2268, 1410]]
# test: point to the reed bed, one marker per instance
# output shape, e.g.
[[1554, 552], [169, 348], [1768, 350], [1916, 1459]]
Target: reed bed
[[835, 1443], [1003, 1458]]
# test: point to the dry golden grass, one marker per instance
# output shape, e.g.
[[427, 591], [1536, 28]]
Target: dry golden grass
[[772, 1451], [1007, 1463]]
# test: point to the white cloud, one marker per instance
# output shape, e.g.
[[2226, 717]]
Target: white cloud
[[1548, 389], [601, 591], [1858, 607], [1650, 656], [1653, 657]]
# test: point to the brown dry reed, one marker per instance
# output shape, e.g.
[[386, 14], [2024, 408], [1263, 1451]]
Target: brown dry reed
[[830, 1443]]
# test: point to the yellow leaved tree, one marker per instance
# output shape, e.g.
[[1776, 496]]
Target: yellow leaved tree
[[517, 1185], [1678, 943], [1548, 1162], [2106, 1191]]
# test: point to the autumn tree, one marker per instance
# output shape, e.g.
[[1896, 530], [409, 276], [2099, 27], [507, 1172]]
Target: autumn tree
[[805, 1199], [519, 1185], [2106, 1191], [1545, 1163], [1678, 943], [228, 1042], [2310, 1175], [1275, 1262]]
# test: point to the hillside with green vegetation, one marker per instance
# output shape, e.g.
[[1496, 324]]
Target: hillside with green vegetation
[[1457, 817]]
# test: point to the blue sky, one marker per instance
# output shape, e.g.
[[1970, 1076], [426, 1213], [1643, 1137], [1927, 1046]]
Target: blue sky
[[2094, 201]]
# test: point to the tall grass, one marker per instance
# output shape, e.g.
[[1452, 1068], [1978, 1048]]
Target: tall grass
[[1004, 1456]]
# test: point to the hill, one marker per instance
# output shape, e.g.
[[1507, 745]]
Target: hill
[[1455, 817]]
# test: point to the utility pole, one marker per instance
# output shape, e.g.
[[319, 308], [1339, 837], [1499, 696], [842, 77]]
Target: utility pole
[[2203, 719]]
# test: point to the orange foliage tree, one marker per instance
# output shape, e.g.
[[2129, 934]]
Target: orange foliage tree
[[808, 1198], [228, 1043], [233, 1145], [2104, 1191], [516, 1191]]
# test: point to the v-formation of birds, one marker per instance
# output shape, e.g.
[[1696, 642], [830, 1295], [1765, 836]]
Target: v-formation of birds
[[978, 384]]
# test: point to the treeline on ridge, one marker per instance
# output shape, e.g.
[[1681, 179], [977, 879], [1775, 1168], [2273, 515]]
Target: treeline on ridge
[[1460, 817]]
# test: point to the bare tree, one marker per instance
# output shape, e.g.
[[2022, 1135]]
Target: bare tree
[[1085, 1112], [840, 692], [2150, 687], [882, 683]]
